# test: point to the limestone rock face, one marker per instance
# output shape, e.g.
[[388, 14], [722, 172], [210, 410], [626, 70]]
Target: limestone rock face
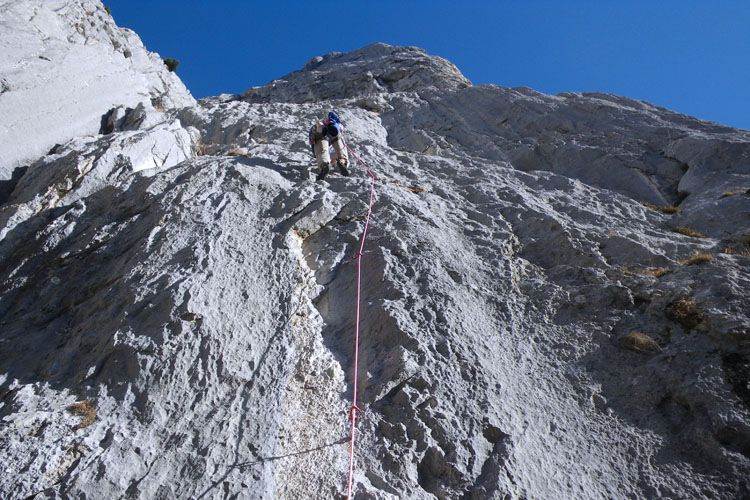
[[632, 147], [177, 297], [377, 68], [64, 65]]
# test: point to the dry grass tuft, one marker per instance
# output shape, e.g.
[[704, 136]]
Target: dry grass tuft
[[743, 252], [738, 245], [237, 152], [684, 311], [735, 192], [698, 258], [689, 232], [665, 209], [201, 149], [85, 410], [656, 272], [639, 342]]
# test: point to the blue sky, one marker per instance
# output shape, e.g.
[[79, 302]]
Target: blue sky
[[690, 56]]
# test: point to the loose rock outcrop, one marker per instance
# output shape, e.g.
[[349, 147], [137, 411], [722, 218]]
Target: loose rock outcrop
[[554, 305]]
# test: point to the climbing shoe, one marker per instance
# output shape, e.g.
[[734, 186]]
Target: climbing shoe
[[343, 169], [323, 173]]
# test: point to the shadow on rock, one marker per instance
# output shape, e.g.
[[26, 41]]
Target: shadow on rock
[[69, 292]]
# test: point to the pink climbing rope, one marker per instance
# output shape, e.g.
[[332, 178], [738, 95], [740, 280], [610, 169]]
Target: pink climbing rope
[[354, 409]]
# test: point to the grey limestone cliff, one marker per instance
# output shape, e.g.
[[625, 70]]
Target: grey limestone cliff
[[63, 65], [554, 298]]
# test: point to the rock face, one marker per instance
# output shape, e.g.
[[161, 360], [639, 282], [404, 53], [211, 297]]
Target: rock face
[[64, 65], [375, 69], [529, 330]]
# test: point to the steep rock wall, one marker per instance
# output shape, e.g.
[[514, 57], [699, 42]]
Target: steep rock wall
[[64, 66], [201, 300]]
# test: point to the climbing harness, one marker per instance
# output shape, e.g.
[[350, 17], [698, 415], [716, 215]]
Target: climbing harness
[[355, 411]]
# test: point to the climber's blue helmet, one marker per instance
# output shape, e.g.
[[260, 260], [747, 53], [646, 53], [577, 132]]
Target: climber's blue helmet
[[334, 117]]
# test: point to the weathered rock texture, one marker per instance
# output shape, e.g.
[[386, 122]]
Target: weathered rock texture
[[530, 329], [64, 65]]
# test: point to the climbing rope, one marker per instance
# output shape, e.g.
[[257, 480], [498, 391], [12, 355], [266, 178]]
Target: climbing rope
[[413, 189], [354, 411]]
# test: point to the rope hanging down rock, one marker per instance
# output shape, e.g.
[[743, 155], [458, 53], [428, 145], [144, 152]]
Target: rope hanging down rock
[[354, 411]]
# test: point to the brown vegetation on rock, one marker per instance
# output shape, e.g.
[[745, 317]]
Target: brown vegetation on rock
[[698, 258], [86, 410], [689, 232], [684, 311], [734, 192], [664, 209], [639, 342]]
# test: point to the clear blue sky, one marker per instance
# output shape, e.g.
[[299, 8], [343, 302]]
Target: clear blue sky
[[691, 56]]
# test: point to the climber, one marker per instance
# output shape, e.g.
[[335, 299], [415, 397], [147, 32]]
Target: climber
[[321, 136]]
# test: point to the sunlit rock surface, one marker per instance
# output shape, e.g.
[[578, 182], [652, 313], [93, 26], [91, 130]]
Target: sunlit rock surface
[[64, 65], [529, 329]]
